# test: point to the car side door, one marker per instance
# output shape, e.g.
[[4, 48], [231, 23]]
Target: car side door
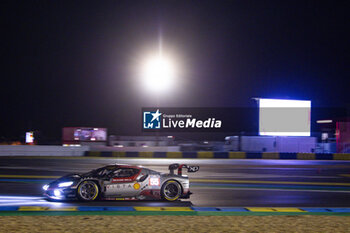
[[122, 183]]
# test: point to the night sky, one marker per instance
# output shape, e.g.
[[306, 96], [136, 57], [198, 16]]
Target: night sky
[[76, 63]]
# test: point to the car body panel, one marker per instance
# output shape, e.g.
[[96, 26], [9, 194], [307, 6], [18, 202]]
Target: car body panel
[[119, 181]]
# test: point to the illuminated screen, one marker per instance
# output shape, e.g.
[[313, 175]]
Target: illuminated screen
[[29, 137], [279, 117], [90, 134]]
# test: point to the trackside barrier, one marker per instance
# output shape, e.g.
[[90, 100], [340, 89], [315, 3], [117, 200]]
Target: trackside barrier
[[218, 155], [175, 209], [41, 150]]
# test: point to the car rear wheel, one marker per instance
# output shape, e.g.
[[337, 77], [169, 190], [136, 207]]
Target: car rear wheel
[[171, 190], [88, 191]]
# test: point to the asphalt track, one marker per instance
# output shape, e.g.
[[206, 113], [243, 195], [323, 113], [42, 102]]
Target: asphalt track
[[225, 183]]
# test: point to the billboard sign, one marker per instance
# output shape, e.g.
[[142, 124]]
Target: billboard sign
[[281, 117], [90, 134], [75, 135]]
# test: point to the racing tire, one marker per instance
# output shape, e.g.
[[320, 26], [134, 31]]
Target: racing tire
[[171, 190], [88, 190]]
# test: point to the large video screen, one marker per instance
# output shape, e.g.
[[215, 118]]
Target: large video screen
[[90, 134], [280, 117]]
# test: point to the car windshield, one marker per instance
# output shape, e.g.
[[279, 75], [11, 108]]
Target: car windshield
[[103, 171]]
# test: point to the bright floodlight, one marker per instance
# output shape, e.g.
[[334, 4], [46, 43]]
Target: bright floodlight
[[158, 74]]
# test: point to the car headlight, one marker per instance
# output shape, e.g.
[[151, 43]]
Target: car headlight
[[57, 193], [65, 184], [45, 187]]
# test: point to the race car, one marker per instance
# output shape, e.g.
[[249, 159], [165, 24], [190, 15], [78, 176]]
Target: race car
[[122, 182]]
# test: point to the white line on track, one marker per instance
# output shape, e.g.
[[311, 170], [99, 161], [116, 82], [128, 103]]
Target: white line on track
[[284, 190]]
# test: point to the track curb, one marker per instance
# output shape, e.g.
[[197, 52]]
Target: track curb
[[184, 211]]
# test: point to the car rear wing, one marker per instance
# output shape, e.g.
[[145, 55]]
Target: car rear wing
[[179, 168]]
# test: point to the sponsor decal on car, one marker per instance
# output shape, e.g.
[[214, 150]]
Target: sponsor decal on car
[[118, 186], [136, 186], [121, 180], [154, 181]]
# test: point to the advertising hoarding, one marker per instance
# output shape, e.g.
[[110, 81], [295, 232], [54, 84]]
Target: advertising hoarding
[[281, 117]]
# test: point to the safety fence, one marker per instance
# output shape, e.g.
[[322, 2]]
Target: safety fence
[[219, 155]]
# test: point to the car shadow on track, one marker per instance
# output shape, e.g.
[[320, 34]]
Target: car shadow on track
[[124, 203]]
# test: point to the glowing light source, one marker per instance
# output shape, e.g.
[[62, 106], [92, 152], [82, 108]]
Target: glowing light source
[[29, 137], [57, 192], [158, 74], [65, 184], [45, 187], [324, 121], [284, 103]]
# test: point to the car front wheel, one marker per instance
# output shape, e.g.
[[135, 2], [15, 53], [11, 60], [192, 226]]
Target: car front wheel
[[88, 191]]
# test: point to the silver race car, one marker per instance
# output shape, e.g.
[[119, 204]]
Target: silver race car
[[122, 182]]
